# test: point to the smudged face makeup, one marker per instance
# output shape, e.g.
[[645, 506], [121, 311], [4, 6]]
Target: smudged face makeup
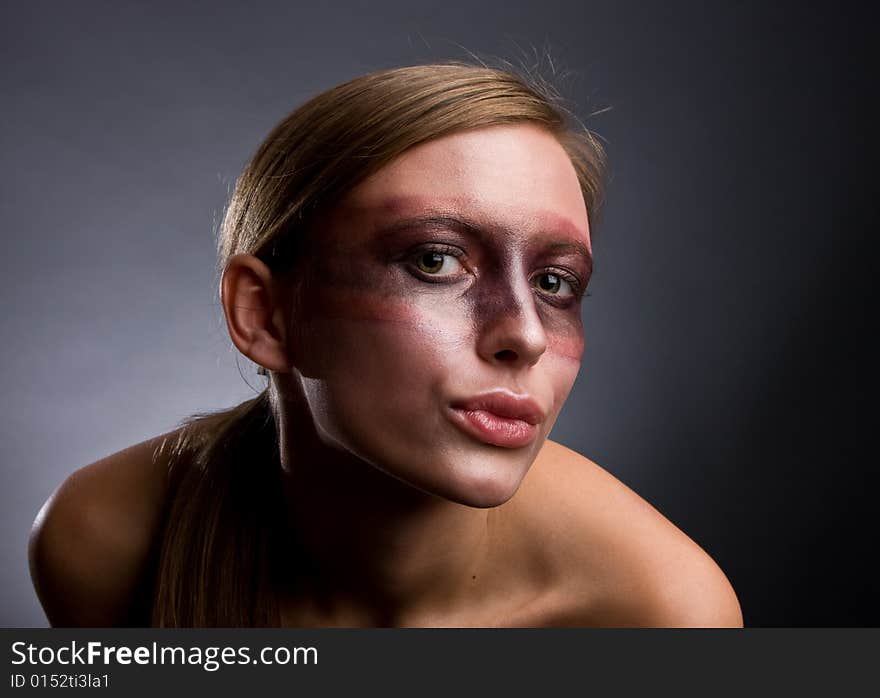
[[438, 331]]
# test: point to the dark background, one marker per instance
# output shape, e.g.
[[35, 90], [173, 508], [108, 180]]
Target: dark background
[[728, 367]]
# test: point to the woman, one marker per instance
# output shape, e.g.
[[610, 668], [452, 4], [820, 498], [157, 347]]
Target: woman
[[404, 258]]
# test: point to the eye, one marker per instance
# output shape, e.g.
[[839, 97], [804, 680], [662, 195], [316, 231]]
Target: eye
[[437, 263], [554, 284]]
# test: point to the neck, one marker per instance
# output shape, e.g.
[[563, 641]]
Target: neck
[[367, 548]]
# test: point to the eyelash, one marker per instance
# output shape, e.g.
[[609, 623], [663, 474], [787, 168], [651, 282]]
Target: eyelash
[[456, 252], [460, 255], [566, 276]]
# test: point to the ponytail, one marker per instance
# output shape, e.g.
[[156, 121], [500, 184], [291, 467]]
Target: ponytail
[[224, 510]]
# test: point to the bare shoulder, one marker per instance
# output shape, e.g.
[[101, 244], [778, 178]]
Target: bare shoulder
[[91, 540], [618, 560]]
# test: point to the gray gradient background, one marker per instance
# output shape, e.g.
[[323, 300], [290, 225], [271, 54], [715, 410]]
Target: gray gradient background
[[724, 378]]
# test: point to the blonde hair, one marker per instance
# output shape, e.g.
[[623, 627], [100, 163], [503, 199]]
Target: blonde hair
[[225, 512], [343, 135]]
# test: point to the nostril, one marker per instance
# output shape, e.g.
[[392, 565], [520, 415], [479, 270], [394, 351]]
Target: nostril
[[506, 355]]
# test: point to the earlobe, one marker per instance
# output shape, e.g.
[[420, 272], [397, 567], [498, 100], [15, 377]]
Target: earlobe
[[254, 312]]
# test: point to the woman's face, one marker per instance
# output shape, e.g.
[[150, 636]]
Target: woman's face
[[439, 331]]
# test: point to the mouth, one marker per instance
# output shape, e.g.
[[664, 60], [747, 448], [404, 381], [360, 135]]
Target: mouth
[[498, 419]]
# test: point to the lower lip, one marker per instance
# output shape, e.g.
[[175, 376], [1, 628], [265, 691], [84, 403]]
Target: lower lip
[[489, 428]]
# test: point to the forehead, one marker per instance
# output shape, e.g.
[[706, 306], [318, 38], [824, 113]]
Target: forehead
[[517, 177]]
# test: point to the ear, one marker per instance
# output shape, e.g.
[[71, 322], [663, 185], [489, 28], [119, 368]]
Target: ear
[[254, 310]]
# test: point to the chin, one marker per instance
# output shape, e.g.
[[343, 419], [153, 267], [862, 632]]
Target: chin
[[481, 477], [484, 486], [486, 499]]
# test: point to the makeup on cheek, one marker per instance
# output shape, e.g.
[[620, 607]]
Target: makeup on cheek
[[564, 329], [365, 304], [569, 347]]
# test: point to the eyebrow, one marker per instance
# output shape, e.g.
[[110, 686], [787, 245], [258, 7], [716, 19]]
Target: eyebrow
[[464, 225], [577, 248]]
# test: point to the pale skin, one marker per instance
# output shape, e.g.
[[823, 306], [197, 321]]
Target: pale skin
[[453, 271]]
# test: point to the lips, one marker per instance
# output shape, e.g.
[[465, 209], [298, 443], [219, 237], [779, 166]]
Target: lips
[[498, 418]]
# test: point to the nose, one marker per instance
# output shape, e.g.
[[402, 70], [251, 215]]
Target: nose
[[510, 329]]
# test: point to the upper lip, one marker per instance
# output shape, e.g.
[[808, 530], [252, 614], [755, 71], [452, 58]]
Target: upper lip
[[505, 405]]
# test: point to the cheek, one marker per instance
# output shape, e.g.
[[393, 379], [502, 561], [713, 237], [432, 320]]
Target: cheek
[[565, 336], [369, 336], [567, 347], [375, 365]]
